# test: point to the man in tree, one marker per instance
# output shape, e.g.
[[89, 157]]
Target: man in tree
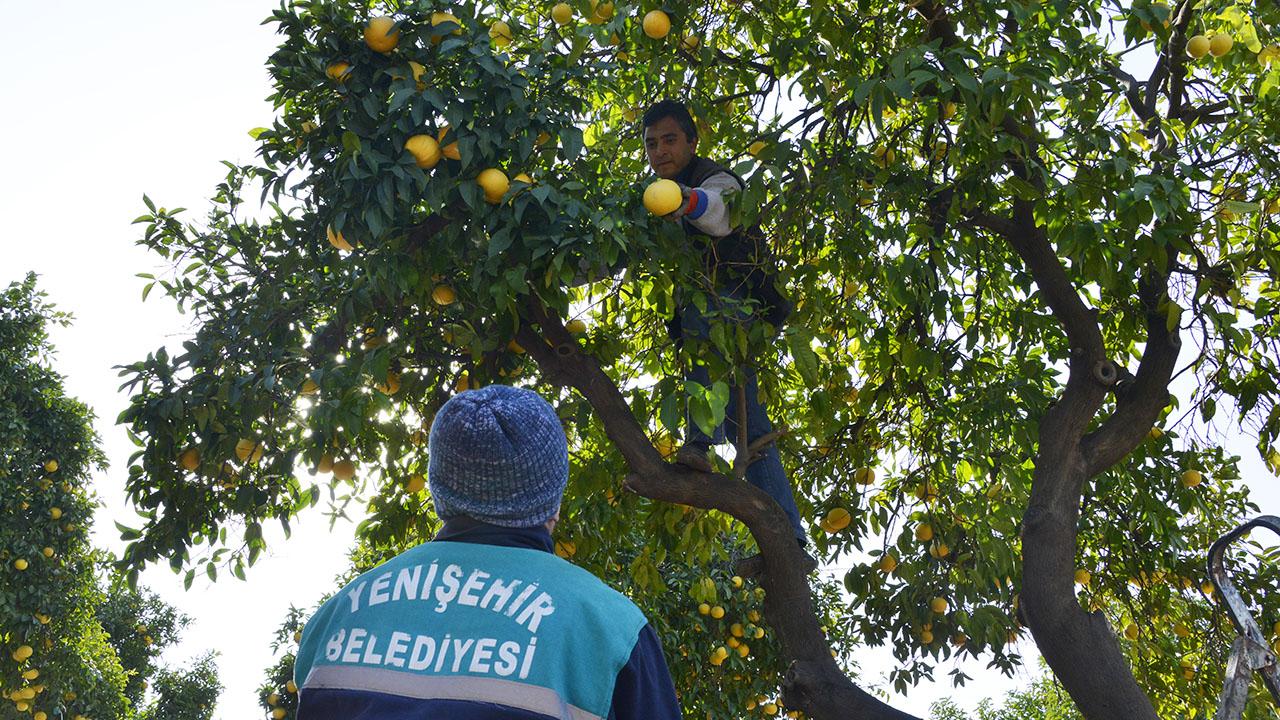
[[737, 281], [485, 622]]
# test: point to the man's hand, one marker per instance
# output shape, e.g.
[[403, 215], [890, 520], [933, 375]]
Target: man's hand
[[675, 215]]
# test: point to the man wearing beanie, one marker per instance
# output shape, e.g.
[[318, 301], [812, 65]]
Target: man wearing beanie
[[485, 622]]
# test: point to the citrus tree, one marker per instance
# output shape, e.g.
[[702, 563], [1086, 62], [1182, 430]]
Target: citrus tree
[[1006, 227], [76, 640]]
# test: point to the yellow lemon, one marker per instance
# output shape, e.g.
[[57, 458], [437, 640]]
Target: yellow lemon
[[924, 532], [326, 463], [309, 387], [344, 469], [704, 609], [338, 71], [756, 148], [883, 156], [689, 42], [656, 24], [20, 564], [717, 612], [1083, 577], [245, 448], [1198, 46], [524, 178], [439, 18], [736, 581], [381, 34], [51, 466], [495, 184], [500, 33], [939, 550], [336, 239], [938, 605], [576, 327], [47, 552], [279, 713], [926, 636], [55, 513], [948, 110], [888, 563], [424, 149], [443, 295], [450, 150], [418, 70], [291, 686], [837, 520], [662, 197], [22, 653], [190, 459], [1220, 44], [416, 483], [601, 11], [392, 384], [1191, 478], [864, 476], [562, 13], [1131, 631]]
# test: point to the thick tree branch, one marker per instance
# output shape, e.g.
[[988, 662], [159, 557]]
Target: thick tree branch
[[816, 684], [1139, 405]]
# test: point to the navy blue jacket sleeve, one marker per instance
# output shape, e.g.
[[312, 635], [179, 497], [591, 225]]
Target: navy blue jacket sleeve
[[644, 690]]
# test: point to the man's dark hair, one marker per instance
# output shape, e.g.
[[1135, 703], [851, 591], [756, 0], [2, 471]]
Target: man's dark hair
[[671, 109]]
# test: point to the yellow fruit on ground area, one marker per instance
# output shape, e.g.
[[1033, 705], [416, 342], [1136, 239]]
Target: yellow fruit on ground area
[[663, 197], [1131, 631], [566, 549], [562, 13], [864, 476], [424, 149], [55, 513], [381, 34], [938, 605], [1191, 478], [1220, 44], [704, 609], [338, 71], [837, 520], [22, 653], [416, 483], [20, 564], [689, 42], [443, 295], [500, 33], [190, 459], [51, 466], [47, 552], [309, 387], [756, 148], [1083, 577], [576, 327], [1198, 46], [887, 563], [336, 239], [656, 24], [344, 469], [717, 612], [924, 532], [494, 183]]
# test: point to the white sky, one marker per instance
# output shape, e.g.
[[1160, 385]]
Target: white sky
[[106, 101]]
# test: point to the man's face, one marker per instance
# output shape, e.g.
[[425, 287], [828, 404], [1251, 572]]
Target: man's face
[[668, 148]]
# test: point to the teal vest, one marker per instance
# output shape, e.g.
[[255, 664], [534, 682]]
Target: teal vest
[[461, 621]]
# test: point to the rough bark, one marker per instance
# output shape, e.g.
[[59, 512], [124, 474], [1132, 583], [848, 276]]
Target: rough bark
[[814, 683]]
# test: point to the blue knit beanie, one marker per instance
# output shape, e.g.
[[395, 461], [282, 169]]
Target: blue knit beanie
[[498, 455]]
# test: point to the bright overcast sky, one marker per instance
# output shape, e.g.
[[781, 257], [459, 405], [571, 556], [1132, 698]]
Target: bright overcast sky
[[106, 101]]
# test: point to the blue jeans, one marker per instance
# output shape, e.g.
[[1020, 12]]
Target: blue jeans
[[766, 473]]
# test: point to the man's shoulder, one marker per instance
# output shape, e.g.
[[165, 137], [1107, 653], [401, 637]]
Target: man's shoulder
[[704, 169]]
